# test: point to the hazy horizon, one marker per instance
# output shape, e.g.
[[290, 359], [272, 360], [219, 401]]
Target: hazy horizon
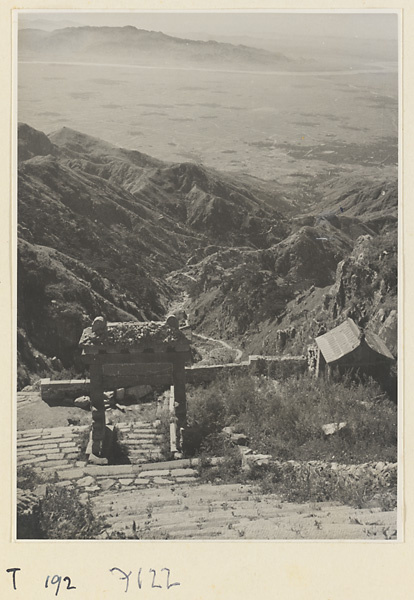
[[370, 26]]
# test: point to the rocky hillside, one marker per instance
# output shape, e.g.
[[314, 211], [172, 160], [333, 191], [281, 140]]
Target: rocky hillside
[[330, 266], [100, 228], [103, 230], [373, 201], [364, 288]]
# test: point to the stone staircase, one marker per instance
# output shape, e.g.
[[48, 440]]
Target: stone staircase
[[142, 440], [154, 499], [232, 512], [91, 478]]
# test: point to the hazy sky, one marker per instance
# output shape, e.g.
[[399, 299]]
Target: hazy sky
[[370, 26]]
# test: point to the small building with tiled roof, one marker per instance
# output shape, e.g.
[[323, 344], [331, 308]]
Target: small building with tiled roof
[[348, 348]]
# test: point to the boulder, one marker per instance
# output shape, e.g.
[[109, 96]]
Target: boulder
[[99, 325], [239, 439], [56, 363], [135, 393], [331, 428], [82, 402], [250, 460], [389, 331]]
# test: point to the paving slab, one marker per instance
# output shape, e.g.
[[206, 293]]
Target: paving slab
[[155, 473], [52, 463], [85, 481], [72, 473], [106, 484], [31, 461]]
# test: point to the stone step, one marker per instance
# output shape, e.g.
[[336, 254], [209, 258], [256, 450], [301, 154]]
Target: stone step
[[142, 452], [141, 442], [33, 443], [28, 438], [136, 429], [178, 467], [26, 432], [138, 441]]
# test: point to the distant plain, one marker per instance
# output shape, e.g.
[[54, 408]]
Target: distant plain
[[290, 127]]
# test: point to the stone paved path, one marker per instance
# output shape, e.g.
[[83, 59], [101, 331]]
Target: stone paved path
[[234, 511], [93, 479], [49, 449], [58, 447], [166, 500]]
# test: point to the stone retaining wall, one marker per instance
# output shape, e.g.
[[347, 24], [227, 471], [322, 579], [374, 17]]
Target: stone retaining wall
[[209, 373], [313, 474], [277, 367], [63, 391]]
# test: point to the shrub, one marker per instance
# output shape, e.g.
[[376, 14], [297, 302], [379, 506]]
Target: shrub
[[228, 469], [60, 514], [285, 419], [63, 516], [206, 410], [27, 478]]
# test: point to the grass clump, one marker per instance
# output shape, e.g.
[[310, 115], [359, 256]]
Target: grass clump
[[285, 418], [163, 429], [304, 483], [229, 467]]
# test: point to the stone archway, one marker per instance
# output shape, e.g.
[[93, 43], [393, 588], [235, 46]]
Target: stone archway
[[131, 353]]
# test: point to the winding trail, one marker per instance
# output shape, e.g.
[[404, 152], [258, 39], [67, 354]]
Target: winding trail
[[182, 304], [238, 352]]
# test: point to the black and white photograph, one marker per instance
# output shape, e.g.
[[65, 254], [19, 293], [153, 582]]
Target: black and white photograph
[[207, 259]]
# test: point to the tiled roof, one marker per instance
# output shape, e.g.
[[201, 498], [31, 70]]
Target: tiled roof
[[345, 338], [133, 333], [339, 341]]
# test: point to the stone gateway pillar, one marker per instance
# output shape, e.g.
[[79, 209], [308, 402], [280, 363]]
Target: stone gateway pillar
[[180, 399], [98, 409], [133, 353]]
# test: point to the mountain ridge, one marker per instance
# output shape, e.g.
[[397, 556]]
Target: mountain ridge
[[87, 43], [107, 230], [125, 219]]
